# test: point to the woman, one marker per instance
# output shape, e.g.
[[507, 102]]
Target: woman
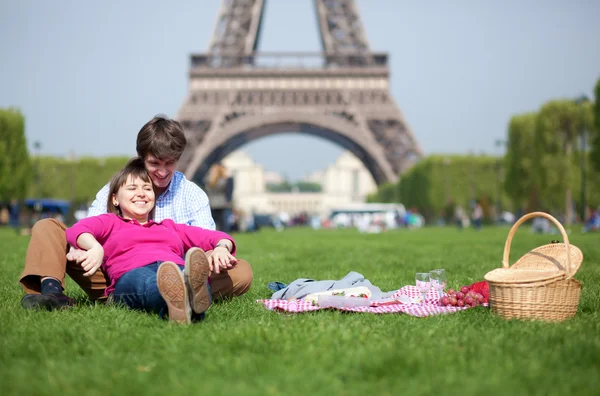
[[144, 259], [219, 188]]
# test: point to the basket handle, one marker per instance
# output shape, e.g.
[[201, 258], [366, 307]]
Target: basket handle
[[523, 219]]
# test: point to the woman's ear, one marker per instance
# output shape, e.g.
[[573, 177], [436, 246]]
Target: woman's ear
[[114, 201]]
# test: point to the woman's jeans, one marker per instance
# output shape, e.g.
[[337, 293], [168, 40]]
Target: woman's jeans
[[138, 290]]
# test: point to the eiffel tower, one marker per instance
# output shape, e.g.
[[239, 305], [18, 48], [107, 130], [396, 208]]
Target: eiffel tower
[[237, 94]]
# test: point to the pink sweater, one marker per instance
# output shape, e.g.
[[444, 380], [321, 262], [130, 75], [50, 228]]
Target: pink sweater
[[128, 244]]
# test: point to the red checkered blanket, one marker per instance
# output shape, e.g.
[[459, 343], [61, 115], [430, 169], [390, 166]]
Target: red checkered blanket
[[430, 307]]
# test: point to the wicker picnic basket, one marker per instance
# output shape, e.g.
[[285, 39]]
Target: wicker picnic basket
[[540, 284]]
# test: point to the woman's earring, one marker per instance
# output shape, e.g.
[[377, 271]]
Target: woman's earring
[[116, 203]]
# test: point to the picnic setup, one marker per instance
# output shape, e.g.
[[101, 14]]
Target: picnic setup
[[539, 285]]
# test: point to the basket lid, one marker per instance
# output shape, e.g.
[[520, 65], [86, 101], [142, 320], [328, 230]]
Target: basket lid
[[551, 257], [547, 262], [525, 275]]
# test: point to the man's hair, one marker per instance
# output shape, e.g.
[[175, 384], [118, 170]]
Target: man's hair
[[161, 137], [135, 167]]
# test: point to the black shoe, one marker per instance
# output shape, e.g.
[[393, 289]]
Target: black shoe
[[47, 301]]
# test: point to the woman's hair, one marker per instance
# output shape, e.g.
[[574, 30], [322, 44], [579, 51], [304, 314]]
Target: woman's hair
[[134, 167], [216, 173]]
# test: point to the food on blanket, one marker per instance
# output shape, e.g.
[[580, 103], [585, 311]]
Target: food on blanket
[[359, 291], [467, 296], [331, 301], [482, 288]]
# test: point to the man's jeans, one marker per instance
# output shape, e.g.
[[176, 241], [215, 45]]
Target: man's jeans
[[138, 290]]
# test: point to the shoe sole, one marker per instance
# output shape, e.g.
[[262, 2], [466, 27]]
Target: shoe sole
[[196, 273], [46, 302], [39, 302], [172, 288]]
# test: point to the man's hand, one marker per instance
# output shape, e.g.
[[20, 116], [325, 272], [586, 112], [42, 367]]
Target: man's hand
[[91, 260], [221, 259]]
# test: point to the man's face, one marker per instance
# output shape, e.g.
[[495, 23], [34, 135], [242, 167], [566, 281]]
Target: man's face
[[160, 171]]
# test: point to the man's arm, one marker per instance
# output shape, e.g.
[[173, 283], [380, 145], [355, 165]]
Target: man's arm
[[221, 245], [99, 205], [198, 209]]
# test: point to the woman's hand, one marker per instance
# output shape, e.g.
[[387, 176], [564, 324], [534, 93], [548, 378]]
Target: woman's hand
[[91, 260], [221, 259], [75, 254]]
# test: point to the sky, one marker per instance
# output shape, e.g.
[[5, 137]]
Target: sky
[[87, 74]]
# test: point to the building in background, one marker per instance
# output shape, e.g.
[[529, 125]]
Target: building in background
[[344, 182]]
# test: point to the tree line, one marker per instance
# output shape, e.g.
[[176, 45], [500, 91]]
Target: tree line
[[25, 176], [15, 165], [552, 163]]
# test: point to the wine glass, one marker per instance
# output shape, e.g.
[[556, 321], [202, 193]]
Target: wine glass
[[438, 280], [423, 284]]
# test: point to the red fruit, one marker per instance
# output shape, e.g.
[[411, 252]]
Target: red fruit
[[451, 292], [482, 288], [460, 295], [479, 297], [453, 301], [444, 301], [469, 300], [464, 289], [460, 303]]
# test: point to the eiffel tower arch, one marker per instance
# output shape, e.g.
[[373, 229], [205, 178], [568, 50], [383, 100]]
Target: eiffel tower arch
[[237, 94]]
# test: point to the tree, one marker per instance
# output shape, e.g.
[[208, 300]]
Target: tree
[[15, 164], [595, 132], [518, 182], [304, 186], [284, 186], [436, 183], [76, 180], [557, 132]]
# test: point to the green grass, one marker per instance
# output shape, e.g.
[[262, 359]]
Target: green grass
[[242, 348]]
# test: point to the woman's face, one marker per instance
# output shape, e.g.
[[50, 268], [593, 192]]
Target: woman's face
[[135, 198]]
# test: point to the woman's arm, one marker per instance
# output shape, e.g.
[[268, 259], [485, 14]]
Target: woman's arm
[[222, 245], [91, 260]]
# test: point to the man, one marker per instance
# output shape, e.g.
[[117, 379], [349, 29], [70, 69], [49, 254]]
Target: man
[[160, 142]]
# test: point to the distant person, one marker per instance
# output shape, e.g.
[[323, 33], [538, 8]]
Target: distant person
[[14, 215], [219, 188], [477, 216], [593, 223], [144, 259], [5, 215], [459, 216], [160, 143]]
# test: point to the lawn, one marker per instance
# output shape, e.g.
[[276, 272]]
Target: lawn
[[242, 348]]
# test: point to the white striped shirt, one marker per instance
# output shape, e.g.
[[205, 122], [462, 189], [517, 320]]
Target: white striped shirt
[[183, 202]]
